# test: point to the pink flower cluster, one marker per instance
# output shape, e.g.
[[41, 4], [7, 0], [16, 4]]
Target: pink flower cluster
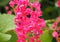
[[28, 22]]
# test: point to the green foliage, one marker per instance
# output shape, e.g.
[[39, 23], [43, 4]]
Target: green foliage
[[49, 24], [50, 11], [47, 36], [6, 25], [4, 37], [31, 0], [39, 0], [14, 36], [3, 2], [34, 0]]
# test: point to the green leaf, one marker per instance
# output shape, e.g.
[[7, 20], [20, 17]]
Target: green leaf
[[4, 37], [46, 37], [34, 0], [4, 2], [39, 0], [6, 23], [14, 36], [31, 0]]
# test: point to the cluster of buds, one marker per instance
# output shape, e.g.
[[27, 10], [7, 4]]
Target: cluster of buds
[[56, 27], [56, 34], [8, 11], [28, 23], [55, 24]]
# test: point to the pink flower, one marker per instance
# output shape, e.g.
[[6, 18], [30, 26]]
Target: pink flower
[[58, 19], [39, 13], [55, 34], [21, 35], [16, 1], [38, 41], [54, 25], [31, 39], [36, 5], [11, 3], [6, 7], [20, 40], [9, 12]]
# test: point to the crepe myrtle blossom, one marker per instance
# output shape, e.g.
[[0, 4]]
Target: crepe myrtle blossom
[[28, 23]]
